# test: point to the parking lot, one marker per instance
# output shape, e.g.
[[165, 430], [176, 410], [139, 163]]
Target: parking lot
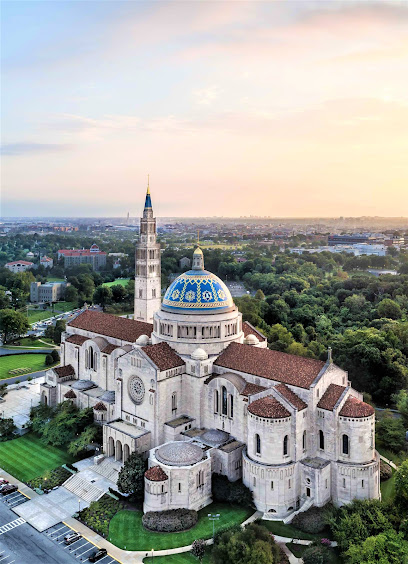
[[6, 558], [79, 550], [14, 499]]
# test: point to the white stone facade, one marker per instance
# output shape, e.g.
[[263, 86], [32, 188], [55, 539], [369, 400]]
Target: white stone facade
[[292, 428]]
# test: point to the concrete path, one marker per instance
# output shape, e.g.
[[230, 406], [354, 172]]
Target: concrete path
[[390, 462], [20, 399]]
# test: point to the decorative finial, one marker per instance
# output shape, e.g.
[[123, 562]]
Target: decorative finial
[[148, 184], [329, 355]]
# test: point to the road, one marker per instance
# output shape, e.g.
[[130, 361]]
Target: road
[[25, 545]]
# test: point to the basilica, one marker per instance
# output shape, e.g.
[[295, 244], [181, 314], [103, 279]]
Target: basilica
[[195, 389]]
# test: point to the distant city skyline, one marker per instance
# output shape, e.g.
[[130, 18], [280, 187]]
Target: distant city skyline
[[279, 109]]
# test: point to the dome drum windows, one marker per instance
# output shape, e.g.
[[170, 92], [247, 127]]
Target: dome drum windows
[[345, 445], [321, 440], [286, 446], [257, 444]]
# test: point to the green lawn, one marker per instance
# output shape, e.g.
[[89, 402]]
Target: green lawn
[[33, 343], [388, 488], [27, 457], [126, 529], [182, 558], [279, 528], [396, 458], [32, 362], [118, 282], [53, 279], [35, 315], [297, 549]]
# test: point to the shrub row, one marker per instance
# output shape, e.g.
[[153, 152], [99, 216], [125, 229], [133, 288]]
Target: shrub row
[[314, 520], [51, 479], [171, 521], [99, 514]]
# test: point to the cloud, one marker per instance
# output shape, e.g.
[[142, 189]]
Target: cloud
[[31, 148]]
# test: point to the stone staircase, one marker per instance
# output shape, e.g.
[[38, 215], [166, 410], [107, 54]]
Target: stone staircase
[[307, 505], [82, 488], [108, 468]]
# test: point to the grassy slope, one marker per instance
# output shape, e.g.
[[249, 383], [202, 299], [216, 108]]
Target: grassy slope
[[31, 343], [279, 528], [27, 457], [118, 282], [388, 488], [33, 361], [126, 529]]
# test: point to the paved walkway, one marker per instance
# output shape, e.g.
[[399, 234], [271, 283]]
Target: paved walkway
[[390, 462]]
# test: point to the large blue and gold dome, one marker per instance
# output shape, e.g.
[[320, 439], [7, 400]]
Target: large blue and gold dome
[[197, 291]]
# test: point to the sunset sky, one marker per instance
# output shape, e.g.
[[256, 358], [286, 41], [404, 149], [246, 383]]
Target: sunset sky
[[286, 109]]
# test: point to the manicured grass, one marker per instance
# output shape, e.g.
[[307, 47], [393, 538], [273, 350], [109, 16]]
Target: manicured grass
[[35, 315], [53, 279], [118, 282], [182, 558], [32, 362], [279, 528], [29, 342], [126, 529], [27, 457], [388, 488]]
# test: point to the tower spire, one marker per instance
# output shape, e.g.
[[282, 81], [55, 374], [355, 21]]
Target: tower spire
[[148, 201]]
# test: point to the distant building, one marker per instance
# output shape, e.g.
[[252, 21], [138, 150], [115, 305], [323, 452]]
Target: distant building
[[49, 292], [93, 256], [356, 250], [47, 262], [185, 262], [30, 255], [19, 265], [347, 239]]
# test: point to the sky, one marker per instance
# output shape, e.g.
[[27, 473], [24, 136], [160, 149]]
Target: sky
[[281, 109]]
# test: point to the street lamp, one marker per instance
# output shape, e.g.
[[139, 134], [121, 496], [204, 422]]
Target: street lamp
[[213, 517]]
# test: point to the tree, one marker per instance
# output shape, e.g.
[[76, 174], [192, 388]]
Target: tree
[[71, 294], [13, 324], [131, 476], [7, 428], [402, 405], [391, 432], [102, 296], [316, 555], [92, 434], [58, 330], [401, 484], [280, 338], [49, 361], [253, 545], [259, 295], [198, 549], [386, 548], [389, 308], [119, 293], [66, 423]]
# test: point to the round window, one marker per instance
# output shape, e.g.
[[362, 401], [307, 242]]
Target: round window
[[136, 389]]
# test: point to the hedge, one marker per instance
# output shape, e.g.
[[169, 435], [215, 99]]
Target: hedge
[[171, 521]]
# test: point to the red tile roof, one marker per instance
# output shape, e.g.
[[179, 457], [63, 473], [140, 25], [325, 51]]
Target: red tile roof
[[249, 329], [109, 349], [292, 398], [330, 397], [70, 394], [163, 356], [100, 406], [156, 474], [268, 407], [274, 365], [354, 407], [76, 339], [63, 371], [111, 326], [251, 389]]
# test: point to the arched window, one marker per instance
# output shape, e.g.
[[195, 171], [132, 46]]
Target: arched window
[[285, 445], [231, 406], [257, 444], [346, 444], [224, 401], [216, 402], [90, 357], [321, 440], [174, 401], [95, 363], [304, 440]]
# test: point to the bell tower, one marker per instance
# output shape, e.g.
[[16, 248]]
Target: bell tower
[[147, 266]]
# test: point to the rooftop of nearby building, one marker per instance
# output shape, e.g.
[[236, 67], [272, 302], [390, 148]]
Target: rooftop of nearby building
[[354, 407], [249, 329], [268, 407], [179, 421], [111, 326], [330, 397], [156, 474], [274, 365], [63, 371], [163, 356], [76, 339], [22, 262], [291, 397]]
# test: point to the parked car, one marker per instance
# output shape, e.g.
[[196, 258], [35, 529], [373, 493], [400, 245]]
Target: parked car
[[8, 488], [72, 537], [3, 481], [98, 554]]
